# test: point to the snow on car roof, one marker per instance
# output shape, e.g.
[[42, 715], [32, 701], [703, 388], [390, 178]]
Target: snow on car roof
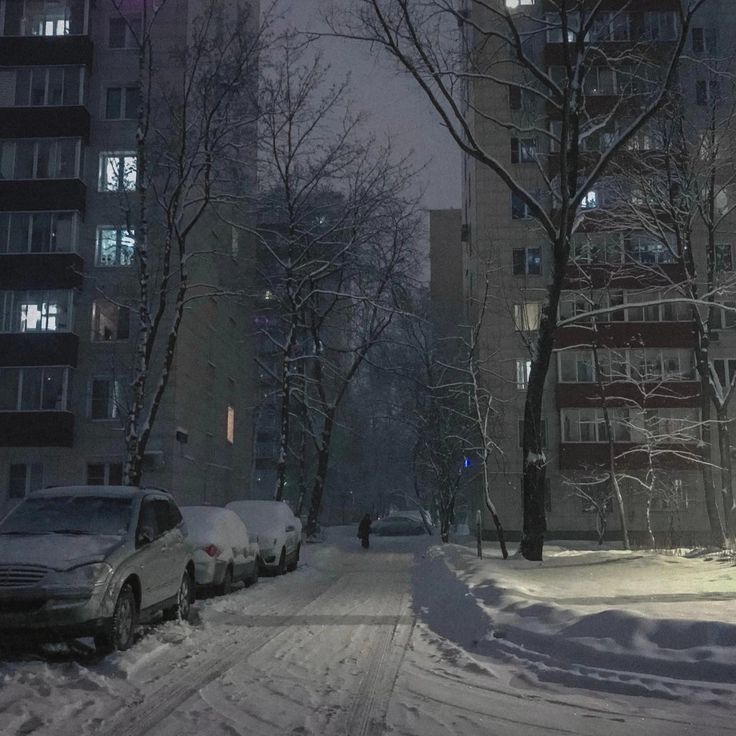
[[104, 491]]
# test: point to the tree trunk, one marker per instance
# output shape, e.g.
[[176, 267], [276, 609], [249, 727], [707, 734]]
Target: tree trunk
[[724, 446], [718, 533], [320, 478]]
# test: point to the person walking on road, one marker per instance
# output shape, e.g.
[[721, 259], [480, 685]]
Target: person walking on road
[[364, 530]]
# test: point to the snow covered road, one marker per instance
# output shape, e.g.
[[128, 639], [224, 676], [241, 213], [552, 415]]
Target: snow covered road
[[400, 639]]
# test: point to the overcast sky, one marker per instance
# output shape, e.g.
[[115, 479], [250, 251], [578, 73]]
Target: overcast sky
[[396, 108]]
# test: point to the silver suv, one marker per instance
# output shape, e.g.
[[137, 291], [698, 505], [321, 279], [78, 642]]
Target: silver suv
[[93, 561]]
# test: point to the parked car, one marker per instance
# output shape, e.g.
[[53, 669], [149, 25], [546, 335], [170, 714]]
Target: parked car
[[223, 552], [93, 561], [398, 526], [279, 533]]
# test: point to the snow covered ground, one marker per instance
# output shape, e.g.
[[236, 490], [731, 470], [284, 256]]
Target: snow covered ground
[[410, 638]]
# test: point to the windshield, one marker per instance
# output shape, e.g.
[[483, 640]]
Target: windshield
[[70, 515]]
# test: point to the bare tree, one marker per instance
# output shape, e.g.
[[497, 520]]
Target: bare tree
[[494, 48], [336, 237]]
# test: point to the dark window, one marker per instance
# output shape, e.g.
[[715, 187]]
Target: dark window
[[724, 257], [110, 322], [527, 261], [147, 518], [164, 518], [519, 208], [706, 92], [174, 515], [704, 40], [23, 478], [121, 103], [523, 150], [105, 474], [515, 98], [124, 32]]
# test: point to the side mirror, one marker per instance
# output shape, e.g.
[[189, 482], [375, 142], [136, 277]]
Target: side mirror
[[290, 528], [144, 536]]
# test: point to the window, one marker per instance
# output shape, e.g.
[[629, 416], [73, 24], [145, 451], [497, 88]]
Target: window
[[576, 366], [121, 103], [118, 172], [124, 33], [523, 150], [527, 316], [105, 398], [40, 86], [523, 367], [660, 26], [724, 257], [555, 31], [230, 431], [513, 4], [40, 158], [33, 389], [24, 478], [727, 317], [706, 91], [110, 322], [514, 98], [612, 26], [36, 311], [44, 17], [573, 305], [643, 248], [520, 430], [600, 80], [104, 474], [38, 232], [590, 200], [704, 40], [519, 208], [527, 261], [115, 246]]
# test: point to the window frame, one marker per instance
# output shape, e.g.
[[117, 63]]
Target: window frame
[[10, 300], [105, 182], [115, 409], [121, 232], [22, 372], [54, 157], [8, 231], [29, 483]]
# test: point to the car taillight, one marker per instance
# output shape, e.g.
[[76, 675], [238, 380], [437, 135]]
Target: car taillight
[[212, 550]]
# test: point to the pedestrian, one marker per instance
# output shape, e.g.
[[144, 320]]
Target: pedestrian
[[364, 530]]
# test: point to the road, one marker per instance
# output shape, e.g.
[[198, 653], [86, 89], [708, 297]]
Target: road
[[354, 643]]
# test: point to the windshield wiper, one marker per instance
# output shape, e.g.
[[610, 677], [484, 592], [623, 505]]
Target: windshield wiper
[[70, 531], [25, 533]]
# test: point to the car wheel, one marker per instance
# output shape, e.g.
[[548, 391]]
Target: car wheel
[[122, 627], [281, 569], [183, 606], [293, 565], [226, 586]]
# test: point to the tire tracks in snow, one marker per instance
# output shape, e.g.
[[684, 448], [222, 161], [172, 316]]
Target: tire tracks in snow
[[191, 675]]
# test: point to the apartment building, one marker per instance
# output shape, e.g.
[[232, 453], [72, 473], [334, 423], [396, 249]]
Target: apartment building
[[636, 360], [69, 90]]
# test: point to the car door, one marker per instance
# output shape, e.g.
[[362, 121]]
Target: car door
[[171, 547], [150, 561]]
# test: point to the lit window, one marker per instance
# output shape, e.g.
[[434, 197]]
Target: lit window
[[523, 150], [115, 246], [44, 17], [589, 200], [527, 316], [118, 172], [35, 311], [523, 368], [230, 425]]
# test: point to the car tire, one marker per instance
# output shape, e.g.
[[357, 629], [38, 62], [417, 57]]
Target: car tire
[[281, 569], [183, 607], [120, 633], [293, 565], [226, 586]]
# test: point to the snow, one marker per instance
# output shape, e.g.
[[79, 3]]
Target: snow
[[411, 637]]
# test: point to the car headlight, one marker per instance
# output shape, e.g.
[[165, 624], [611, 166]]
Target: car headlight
[[84, 576]]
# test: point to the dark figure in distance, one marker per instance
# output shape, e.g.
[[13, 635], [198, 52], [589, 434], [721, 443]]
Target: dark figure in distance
[[364, 530]]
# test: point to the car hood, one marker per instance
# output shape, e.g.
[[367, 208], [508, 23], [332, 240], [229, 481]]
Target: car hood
[[266, 535], [57, 551]]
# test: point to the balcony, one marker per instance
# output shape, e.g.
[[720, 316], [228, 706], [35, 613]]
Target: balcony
[[40, 271], [69, 121], [628, 393], [39, 195], [46, 50], [586, 454], [36, 429], [38, 348], [629, 334]]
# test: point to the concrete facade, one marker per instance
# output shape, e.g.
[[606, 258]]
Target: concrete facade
[[201, 445]]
